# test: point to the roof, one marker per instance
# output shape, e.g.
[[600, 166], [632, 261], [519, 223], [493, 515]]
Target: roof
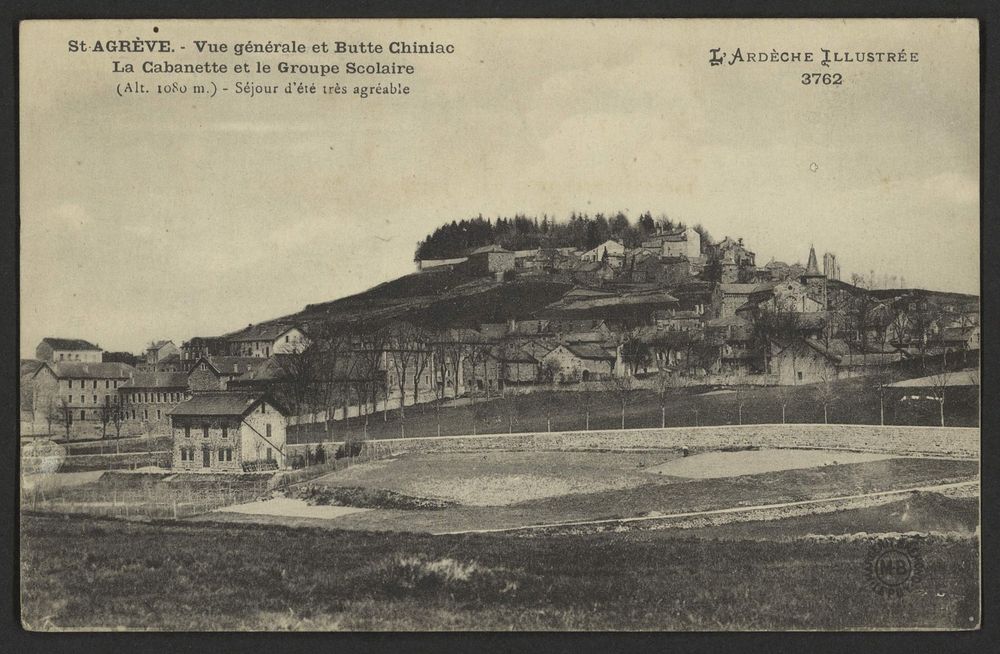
[[260, 332], [486, 249], [156, 345], [81, 370], [229, 365], [222, 403], [956, 378], [69, 344], [585, 337], [738, 289], [509, 353], [590, 351], [157, 380]]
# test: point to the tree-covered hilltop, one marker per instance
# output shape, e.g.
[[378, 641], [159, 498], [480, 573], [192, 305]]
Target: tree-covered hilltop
[[522, 232]]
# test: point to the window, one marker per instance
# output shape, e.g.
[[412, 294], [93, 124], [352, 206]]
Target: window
[[95, 399], [70, 382], [107, 383], [95, 383], [145, 414], [269, 432], [83, 415], [263, 408], [187, 432], [61, 356], [133, 414], [225, 431], [69, 398], [83, 399], [204, 431], [225, 454], [158, 416], [286, 339], [800, 376], [270, 454], [184, 454], [107, 399]]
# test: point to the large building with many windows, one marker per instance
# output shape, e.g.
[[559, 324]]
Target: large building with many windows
[[148, 397], [80, 389]]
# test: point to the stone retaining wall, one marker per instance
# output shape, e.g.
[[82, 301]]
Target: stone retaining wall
[[960, 442]]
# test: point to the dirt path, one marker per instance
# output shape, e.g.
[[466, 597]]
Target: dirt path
[[741, 513]]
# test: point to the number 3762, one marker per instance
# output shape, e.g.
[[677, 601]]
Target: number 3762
[[822, 79]]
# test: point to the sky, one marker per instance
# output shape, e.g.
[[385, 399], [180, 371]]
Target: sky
[[147, 217]]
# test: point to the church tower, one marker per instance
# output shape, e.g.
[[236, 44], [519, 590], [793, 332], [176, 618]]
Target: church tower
[[814, 280]]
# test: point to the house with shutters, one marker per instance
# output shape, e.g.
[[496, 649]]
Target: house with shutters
[[228, 432], [212, 373]]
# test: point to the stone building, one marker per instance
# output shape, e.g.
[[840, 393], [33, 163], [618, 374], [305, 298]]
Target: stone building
[[814, 280], [490, 260], [213, 373], [228, 432], [68, 349], [263, 340], [83, 388], [149, 397], [202, 346], [580, 362], [831, 267]]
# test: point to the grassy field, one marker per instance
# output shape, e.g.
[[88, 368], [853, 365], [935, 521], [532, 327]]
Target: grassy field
[[200, 576], [855, 403], [656, 493]]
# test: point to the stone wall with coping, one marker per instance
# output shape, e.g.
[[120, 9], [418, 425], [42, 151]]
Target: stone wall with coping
[[959, 442]]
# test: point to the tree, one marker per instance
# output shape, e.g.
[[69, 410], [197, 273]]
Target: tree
[[118, 421], [63, 415], [636, 354], [667, 384], [401, 345], [105, 414], [423, 357], [939, 385], [784, 396], [880, 376], [621, 387], [741, 384], [825, 393]]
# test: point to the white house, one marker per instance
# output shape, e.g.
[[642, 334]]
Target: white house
[[265, 339], [68, 349], [614, 249]]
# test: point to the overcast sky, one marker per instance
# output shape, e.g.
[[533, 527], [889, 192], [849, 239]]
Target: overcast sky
[[149, 217]]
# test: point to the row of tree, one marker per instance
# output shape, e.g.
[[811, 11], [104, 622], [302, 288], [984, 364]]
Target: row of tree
[[580, 231]]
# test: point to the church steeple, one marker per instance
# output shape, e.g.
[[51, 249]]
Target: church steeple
[[812, 268]]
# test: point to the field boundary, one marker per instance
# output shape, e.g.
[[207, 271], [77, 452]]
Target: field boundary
[[956, 442], [759, 512]]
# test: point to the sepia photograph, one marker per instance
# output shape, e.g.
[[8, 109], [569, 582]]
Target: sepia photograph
[[621, 325]]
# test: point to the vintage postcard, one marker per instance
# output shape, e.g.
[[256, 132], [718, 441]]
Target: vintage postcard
[[615, 325]]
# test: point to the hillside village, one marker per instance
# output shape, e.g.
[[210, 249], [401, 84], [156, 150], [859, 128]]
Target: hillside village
[[664, 302]]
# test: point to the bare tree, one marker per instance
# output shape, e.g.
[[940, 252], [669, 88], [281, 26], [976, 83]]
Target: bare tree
[[118, 421], [423, 356], [63, 415], [622, 388], [667, 384], [741, 384], [881, 374], [105, 413], [784, 396], [825, 392], [939, 385], [401, 345]]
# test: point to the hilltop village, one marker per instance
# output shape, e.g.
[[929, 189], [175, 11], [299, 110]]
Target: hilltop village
[[665, 301]]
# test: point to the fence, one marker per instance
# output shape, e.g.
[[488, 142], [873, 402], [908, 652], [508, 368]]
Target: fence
[[151, 501]]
